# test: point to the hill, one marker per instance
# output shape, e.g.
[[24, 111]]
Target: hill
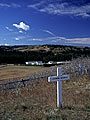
[[37, 100], [21, 54]]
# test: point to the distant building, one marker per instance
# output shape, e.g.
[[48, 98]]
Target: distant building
[[29, 63], [62, 62], [50, 62], [39, 63], [34, 63]]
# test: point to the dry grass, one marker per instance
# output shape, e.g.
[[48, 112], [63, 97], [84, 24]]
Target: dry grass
[[33, 48], [11, 72], [38, 101]]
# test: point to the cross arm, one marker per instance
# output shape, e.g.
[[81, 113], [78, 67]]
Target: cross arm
[[53, 79], [65, 77]]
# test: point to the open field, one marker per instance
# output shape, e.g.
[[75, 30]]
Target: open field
[[37, 101], [14, 72], [10, 72]]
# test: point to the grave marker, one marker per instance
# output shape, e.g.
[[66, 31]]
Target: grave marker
[[59, 79], [80, 69]]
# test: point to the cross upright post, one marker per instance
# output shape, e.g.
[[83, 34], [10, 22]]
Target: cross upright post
[[80, 69], [58, 79], [59, 88]]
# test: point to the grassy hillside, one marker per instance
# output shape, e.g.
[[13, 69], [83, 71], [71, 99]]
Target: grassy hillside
[[45, 53], [38, 101]]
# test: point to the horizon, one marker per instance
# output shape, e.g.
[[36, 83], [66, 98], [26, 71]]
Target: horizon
[[85, 46], [33, 22]]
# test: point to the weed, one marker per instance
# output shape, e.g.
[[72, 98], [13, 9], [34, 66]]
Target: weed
[[86, 107], [63, 117]]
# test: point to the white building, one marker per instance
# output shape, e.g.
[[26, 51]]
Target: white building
[[39, 63], [63, 62], [34, 63], [28, 63], [50, 62]]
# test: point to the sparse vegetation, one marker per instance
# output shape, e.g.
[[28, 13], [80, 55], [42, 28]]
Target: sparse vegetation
[[37, 101], [14, 72]]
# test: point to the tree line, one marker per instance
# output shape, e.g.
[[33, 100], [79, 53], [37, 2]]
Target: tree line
[[18, 57]]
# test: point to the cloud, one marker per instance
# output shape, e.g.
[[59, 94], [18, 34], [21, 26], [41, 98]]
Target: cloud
[[12, 5], [22, 25], [4, 5], [9, 29], [23, 37], [17, 38], [62, 40], [20, 31], [57, 39], [36, 39], [20, 38], [49, 32], [69, 40], [36, 5], [79, 40], [63, 8], [49, 39], [6, 44]]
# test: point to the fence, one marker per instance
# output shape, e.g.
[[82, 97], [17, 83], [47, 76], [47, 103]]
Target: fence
[[79, 69]]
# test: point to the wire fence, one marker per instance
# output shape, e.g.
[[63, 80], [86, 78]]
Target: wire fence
[[72, 69]]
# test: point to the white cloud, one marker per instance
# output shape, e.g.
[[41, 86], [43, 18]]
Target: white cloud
[[54, 39], [20, 31], [9, 29], [22, 25], [36, 5], [6, 44], [13, 5], [17, 38], [23, 37], [36, 39], [57, 39], [70, 40], [62, 40], [49, 32], [79, 40], [4, 5], [20, 37], [63, 9]]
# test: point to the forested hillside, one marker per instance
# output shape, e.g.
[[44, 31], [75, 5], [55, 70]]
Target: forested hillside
[[45, 53]]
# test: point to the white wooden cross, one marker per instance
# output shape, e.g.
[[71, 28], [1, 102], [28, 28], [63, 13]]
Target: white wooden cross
[[80, 69], [59, 79]]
